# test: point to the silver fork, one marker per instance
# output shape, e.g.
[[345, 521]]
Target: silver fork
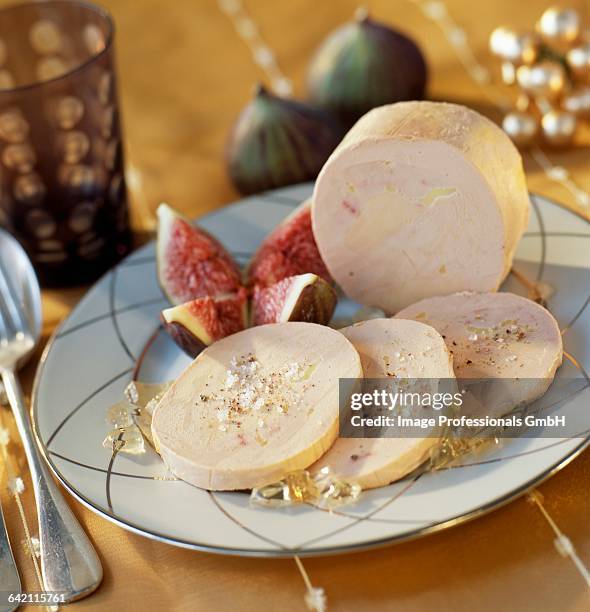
[[9, 578], [69, 563]]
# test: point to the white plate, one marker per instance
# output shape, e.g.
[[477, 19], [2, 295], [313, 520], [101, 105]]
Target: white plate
[[90, 360]]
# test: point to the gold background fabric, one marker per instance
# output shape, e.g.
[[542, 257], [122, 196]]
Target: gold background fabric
[[183, 77]]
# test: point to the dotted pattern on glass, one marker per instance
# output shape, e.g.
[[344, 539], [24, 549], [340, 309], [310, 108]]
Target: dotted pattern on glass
[[61, 178]]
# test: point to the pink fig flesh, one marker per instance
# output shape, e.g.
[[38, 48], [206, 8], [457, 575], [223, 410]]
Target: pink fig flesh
[[289, 250], [192, 263], [198, 323], [305, 297]]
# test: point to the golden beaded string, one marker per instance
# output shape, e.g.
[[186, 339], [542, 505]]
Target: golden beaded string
[[437, 12]]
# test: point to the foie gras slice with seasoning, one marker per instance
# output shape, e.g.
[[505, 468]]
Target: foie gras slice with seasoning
[[255, 406], [499, 336], [398, 350], [420, 199]]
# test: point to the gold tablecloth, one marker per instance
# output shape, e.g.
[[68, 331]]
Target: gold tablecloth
[[184, 75]]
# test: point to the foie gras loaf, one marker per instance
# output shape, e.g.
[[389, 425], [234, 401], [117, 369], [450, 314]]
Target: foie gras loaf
[[396, 349], [499, 336], [420, 199], [255, 406]]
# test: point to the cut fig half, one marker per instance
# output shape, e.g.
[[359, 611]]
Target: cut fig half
[[290, 249], [192, 263], [305, 297], [198, 323]]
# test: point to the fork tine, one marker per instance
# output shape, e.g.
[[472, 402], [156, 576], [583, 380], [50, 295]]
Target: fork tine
[[3, 325], [11, 302]]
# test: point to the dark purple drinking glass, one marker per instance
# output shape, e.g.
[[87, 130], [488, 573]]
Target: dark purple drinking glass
[[62, 187]]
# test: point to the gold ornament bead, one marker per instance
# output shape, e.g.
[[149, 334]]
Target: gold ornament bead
[[523, 102], [521, 127], [508, 73], [513, 47], [577, 101], [559, 127], [578, 60], [546, 79], [559, 26], [498, 40]]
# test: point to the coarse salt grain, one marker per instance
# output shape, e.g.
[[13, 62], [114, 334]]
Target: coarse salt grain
[[292, 371], [249, 368], [246, 397], [231, 379]]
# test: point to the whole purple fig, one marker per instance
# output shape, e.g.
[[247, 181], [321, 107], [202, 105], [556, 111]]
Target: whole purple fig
[[277, 142], [364, 64]]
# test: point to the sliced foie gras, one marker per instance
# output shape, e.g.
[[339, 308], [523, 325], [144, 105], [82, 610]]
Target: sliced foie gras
[[255, 406], [420, 199], [496, 336], [390, 348]]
